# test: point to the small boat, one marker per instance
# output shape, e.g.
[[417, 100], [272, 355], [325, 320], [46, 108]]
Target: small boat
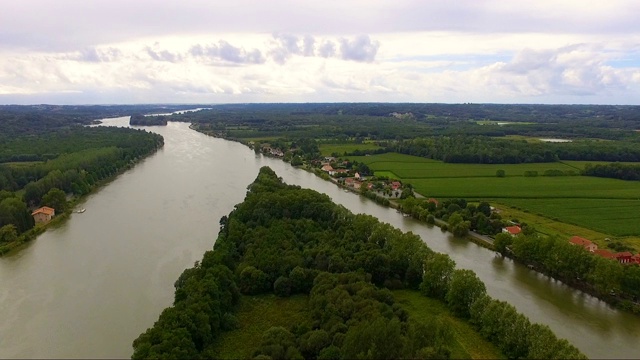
[[81, 211]]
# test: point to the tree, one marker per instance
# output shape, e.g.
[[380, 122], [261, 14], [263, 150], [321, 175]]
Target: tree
[[8, 233], [465, 288], [282, 287], [502, 241], [501, 173], [438, 269], [56, 199]]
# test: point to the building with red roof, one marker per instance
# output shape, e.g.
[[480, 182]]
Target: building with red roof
[[43, 214], [587, 244], [512, 230]]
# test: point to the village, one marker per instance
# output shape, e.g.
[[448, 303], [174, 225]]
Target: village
[[346, 174]]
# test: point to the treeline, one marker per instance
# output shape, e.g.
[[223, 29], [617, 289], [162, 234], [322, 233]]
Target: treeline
[[605, 278], [287, 240], [142, 120], [17, 120], [460, 216], [615, 171], [379, 121], [65, 161], [486, 150]]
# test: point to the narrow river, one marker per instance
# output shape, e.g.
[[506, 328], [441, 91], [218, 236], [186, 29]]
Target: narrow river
[[88, 288]]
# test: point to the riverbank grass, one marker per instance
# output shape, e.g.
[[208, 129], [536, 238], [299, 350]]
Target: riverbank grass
[[255, 316], [466, 344], [259, 313]]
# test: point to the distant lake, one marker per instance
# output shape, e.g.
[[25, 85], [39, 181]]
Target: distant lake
[[556, 140]]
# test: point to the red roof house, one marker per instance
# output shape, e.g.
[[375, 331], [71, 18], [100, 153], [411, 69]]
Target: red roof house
[[605, 253], [395, 185], [43, 214], [512, 230], [624, 257], [587, 244]]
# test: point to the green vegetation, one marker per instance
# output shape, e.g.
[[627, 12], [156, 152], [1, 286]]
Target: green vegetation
[[341, 149], [49, 159], [466, 341], [607, 279], [257, 314], [605, 205], [287, 241]]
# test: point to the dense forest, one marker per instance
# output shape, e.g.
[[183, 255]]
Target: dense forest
[[48, 157], [380, 121], [286, 240]]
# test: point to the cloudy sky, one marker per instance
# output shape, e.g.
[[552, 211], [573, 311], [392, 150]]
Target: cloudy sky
[[212, 51]]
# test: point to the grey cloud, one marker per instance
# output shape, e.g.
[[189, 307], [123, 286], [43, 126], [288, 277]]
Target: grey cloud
[[229, 53], [572, 70], [91, 54], [327, 49], [163, 55], [359, 49], [308, 45]]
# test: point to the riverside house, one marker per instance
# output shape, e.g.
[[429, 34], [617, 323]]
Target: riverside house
[[43, 215]]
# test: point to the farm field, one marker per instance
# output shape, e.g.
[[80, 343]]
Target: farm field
[[616, 217], [608, 206], [328, 149]]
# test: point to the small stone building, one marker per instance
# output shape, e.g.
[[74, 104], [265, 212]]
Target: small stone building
[[43, 215]]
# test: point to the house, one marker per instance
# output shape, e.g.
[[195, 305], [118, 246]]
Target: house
[[605, 254], [512, 230], [432, 200], [587, 244], [357, 176], [335, 172], [43, 215], [624, 257], [635, 259], [349, 182], [327, 168], [395, 185]]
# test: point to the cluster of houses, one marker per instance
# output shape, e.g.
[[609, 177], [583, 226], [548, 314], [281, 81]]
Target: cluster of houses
[[622, 257], [356, 181]]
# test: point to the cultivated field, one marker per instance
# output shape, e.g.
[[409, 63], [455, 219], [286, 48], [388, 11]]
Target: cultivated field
[[609, 206], [328, 149]]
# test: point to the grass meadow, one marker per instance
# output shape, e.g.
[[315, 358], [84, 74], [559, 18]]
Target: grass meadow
[[259, 313], [328, 149], [608, 206]]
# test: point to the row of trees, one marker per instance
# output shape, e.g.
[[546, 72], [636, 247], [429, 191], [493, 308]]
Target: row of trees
[[487, 150], [574, 265], [287, 240], [497, 321], [615, 171]]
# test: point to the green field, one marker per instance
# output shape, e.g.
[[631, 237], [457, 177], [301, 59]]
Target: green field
[[328, 149], [467, 343], [616, 217], [605, 205], [259, 313], [256, 315]]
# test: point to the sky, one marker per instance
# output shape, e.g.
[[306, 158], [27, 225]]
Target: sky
[[211, 51]]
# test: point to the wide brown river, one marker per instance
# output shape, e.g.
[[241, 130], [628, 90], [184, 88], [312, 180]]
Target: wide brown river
[[88, 288]]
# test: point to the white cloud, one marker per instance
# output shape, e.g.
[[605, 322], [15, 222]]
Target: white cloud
[[347, 50]]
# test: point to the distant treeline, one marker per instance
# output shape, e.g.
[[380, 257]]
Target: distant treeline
[[405, 120], [287, 240], [141, 120], [486, 150], [615, 171]]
